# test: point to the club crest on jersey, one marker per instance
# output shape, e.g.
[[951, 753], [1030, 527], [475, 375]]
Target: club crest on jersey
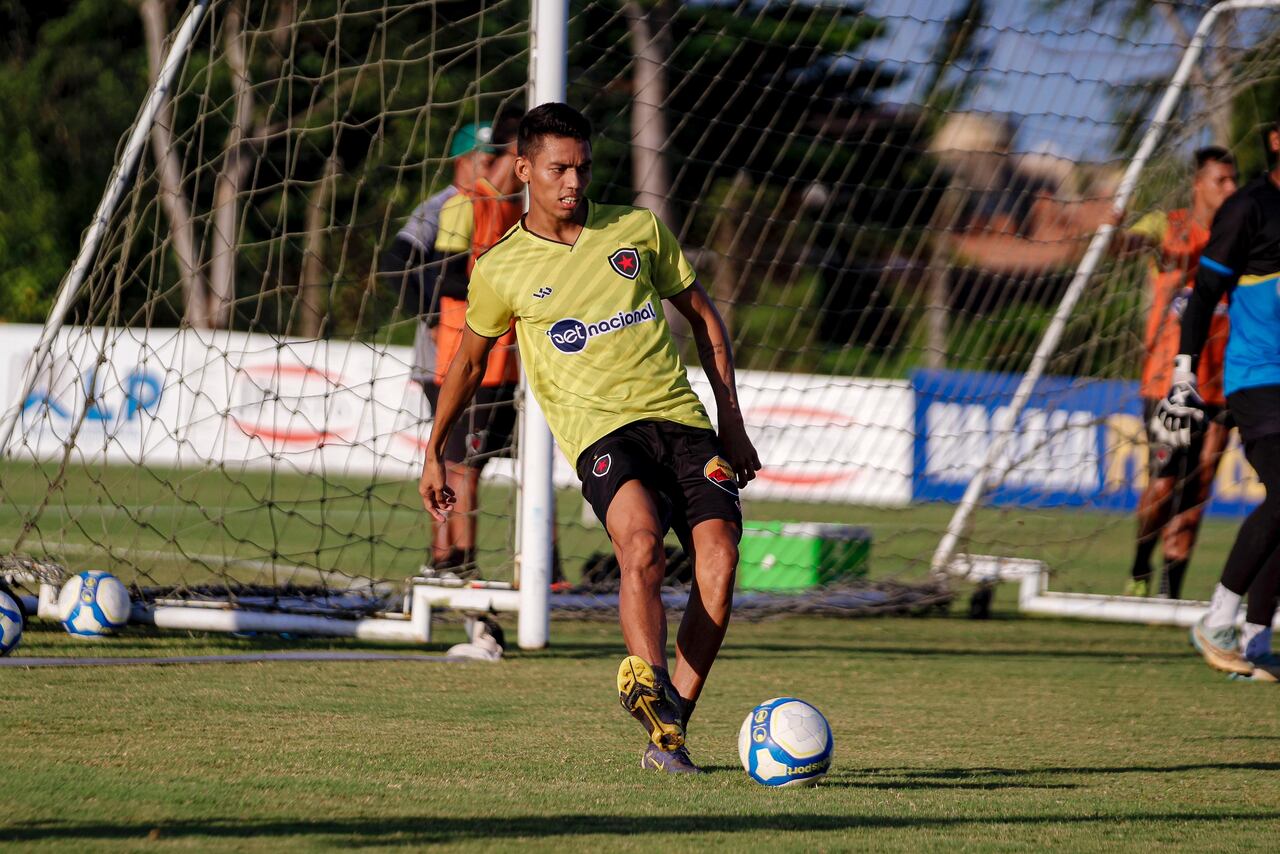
[[625, 262], [570, 335], [721, 474], [602, 465]]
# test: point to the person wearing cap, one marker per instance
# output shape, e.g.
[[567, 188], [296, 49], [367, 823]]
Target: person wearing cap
[[413, 268], [470, 223]]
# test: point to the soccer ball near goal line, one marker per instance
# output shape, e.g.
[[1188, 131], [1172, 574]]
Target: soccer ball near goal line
[[94, 604], [785, 742], [10, 623]]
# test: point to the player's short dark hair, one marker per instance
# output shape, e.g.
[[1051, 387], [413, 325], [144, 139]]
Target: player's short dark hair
[[1212, 154], [554, 119]]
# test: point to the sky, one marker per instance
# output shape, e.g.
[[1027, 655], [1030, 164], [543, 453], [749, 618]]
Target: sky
[[1051, 71]]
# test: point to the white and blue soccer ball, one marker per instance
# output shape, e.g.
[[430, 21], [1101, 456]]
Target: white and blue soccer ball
[[10, 624], [785, 742], [94, 604]]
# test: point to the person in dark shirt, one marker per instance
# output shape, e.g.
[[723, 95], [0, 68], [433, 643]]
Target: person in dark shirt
[[1240, 261]]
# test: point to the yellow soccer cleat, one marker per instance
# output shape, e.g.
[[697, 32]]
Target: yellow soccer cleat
[[651, 701]]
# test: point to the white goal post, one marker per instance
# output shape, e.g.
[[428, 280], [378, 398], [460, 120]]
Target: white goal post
[[404, 618], [948, 559], [228, 403]]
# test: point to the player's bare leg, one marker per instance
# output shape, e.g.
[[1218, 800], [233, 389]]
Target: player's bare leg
[[464, 481], [644, 686], [706, 619], [633, 525], [1155, 505], [441, 544], [1183, 529]]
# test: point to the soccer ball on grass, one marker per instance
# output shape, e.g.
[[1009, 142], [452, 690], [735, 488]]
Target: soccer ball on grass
[[10, 623], [785, 742], [93, 604]]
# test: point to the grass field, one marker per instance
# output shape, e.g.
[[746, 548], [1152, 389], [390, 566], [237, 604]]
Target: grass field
[[1008, 734], [184, 526], [1001, 734]]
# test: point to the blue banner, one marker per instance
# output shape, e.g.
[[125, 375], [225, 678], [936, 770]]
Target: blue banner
[[1079, 443]]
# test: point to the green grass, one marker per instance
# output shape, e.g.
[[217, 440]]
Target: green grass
[[1009, 734], [184, 526], [1003, 734]]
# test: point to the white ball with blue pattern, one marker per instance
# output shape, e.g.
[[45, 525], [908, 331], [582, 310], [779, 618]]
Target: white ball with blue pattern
[[10, 624], [785, 742], [93, 604]]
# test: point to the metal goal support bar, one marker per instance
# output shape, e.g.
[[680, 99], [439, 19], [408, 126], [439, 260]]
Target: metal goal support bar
[[992, 471]]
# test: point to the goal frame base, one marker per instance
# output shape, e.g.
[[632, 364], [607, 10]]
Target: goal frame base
[[1035, 597], [411, 625]]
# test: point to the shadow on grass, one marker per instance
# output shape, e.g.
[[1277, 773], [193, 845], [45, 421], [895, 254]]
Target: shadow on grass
[[736, 650], [857, 779], [967, 773], [421, 830]]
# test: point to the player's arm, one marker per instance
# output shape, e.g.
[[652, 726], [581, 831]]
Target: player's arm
[[452, 281], [1142, 236], [716, 353], [461, 382], [488, 319], [453, 246], [411, 274], [1218, 271]]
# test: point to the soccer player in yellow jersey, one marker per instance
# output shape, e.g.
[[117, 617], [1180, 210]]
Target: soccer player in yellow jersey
[[584, 284]]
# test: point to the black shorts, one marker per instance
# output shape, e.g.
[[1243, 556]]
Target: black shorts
[[484, 430], [683, 466], [1256, 411], [1164, 461]]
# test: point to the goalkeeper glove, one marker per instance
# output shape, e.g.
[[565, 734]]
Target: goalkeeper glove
[[1181, 411]]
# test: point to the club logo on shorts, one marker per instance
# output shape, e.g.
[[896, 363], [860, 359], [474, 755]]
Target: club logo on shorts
[[602, 465], [625, 262], [571, 335], [719, 472]]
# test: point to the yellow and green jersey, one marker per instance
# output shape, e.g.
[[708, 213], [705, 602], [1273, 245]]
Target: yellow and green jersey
[[593, 338]]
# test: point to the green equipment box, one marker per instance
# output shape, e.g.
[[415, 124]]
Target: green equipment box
[[793, 556]]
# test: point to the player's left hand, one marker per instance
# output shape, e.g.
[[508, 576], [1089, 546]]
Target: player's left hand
[[1181, 412], [437, 497], [738, 450]]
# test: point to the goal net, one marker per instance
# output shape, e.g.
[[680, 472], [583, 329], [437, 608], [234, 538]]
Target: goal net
[[886, 201]]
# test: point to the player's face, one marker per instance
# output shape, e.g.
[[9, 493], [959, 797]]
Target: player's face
[[1214, 183], [557, 173]]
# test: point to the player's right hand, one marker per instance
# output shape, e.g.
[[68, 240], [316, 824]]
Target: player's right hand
[[437, 497], [1181, 412]]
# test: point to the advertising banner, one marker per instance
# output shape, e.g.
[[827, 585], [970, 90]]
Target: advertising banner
[[167, 397], [1079, 442], [842, 440]]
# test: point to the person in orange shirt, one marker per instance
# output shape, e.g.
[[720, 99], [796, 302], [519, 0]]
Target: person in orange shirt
[[1180, 479], [470, 223]]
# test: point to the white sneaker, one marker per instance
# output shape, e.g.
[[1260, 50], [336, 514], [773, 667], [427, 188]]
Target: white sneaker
[[1220, 648], [483, 646]]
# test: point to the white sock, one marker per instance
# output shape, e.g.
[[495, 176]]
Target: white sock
[[1256, 641], [1223, 608]]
